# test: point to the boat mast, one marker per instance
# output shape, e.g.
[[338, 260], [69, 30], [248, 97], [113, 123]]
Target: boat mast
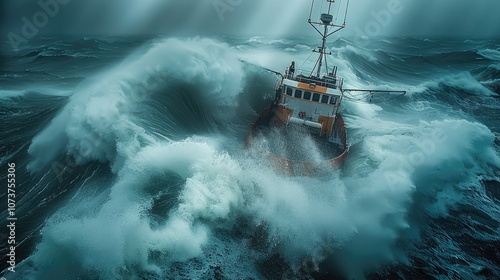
[[325, 21]]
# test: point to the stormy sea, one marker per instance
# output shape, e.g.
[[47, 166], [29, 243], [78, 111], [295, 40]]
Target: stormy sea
[[131, 163]]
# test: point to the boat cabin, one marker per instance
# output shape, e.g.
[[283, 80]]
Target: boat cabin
[[311, 101]]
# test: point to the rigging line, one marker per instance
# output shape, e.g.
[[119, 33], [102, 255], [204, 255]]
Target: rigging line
[[326, 60], [319, 57], [338, 11], [362, 99], [326, 63], [375, 91], [262, 67], [364, 95], [306, 60], [310, 14], [355, 97], [315, 65], [346, 9]]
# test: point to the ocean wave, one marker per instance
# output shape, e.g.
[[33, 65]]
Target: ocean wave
[[10, 94], [490, 54], [177, 204], [96, 107], [463, 81]]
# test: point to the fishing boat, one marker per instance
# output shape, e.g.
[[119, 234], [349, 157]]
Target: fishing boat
[[303, 131]]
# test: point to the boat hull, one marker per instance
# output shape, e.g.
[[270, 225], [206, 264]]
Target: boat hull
[[270, 119]]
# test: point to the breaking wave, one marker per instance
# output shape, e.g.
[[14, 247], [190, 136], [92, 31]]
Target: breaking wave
[[186, 200]]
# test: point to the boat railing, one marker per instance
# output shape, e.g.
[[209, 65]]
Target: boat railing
[[325, 79]]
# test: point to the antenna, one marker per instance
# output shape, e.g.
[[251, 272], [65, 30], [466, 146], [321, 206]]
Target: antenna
[[325, 21]]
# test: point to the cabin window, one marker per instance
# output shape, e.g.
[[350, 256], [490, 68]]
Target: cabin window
[[324, 99], [316, 97], [298, 93], [307, 95], [333, 100], [289, 91]]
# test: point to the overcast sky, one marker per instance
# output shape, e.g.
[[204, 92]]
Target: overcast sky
[[251, 17]]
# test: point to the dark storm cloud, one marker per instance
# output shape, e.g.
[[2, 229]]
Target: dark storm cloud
[[245, 17]]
